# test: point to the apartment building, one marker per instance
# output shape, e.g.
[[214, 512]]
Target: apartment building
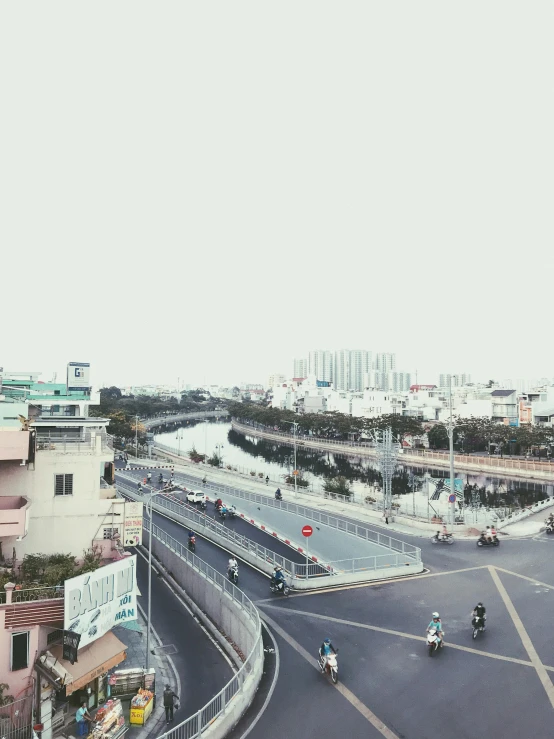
[[56, 468]]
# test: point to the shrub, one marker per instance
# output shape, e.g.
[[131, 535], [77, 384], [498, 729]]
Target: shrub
[[337, 485]]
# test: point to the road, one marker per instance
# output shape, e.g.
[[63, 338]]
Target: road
[[499, 683], [327, 544]]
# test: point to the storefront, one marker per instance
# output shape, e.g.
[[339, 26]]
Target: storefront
[[86, 680]]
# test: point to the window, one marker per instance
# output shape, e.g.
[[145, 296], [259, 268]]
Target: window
[[20, 650], [63, 485], [110, 533]]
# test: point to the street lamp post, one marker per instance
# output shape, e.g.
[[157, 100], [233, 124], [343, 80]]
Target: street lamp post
[[451, 450], [136, 437], [219, 447], [149, 616]]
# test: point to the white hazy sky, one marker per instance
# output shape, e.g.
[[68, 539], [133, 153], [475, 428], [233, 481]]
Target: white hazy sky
[[208, 189]]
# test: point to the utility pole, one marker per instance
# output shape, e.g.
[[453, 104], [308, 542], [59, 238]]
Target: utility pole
[[294, 425], [387, 454], [136, 437]]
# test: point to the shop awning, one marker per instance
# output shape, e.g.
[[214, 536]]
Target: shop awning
[[93, 661]]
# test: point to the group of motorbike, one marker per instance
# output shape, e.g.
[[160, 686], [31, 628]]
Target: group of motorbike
[[435, 634], [223, 510], [487, 537]]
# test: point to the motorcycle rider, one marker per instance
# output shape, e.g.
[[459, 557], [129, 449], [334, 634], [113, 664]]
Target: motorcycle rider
[[487, 534], [192, 538], [278, 495], [279, 577], [324, 651], [149, 477], [160, 478], [480, 613], [444, 536], [436, 624], [232, 564], [493, 533], [218, 504], [139, 486]]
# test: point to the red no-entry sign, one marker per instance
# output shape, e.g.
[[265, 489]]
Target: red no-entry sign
[[307, 531]]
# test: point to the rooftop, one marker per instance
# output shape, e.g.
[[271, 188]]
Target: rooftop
[[502, 393]]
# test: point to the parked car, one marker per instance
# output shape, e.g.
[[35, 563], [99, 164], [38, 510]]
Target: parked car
[[195, 497]]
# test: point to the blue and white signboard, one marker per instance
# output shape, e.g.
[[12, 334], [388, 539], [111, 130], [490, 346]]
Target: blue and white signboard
[[97, 601]]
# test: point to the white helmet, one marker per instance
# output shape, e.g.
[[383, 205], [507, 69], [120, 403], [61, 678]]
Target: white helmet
[[436, 615]]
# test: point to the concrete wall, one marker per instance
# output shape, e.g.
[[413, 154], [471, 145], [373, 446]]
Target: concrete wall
[[238, 620], [58, 523]]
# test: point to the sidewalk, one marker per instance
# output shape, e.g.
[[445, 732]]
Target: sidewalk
[[165, 674], [135, 641]]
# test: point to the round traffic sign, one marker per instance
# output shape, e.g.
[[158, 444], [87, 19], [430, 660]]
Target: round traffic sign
[[307, 531], [451, 498]]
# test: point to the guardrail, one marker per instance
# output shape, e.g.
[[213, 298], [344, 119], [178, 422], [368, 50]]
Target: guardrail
[[406, 456], [325, 519], [232, 538], [153, 422], [29, 594], [297, 570], [83, 443], [211, 717], [526, 512]]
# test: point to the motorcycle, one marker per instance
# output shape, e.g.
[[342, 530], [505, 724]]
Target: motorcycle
[[434, 642], [222, 512], [233, 575], [331, 668], [442, 539], [192, 543], [477, 625], [549, 526], [231, 512], [484, 542], [278, 495], [203, 505], [279, 586]]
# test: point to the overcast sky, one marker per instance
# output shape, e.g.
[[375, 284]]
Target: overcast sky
[[206, 190]]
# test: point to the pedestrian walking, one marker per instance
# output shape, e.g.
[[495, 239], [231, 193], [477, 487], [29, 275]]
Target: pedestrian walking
[[169, 703], [267, 479]]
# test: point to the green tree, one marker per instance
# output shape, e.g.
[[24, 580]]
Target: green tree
[[438, 437], [337, 486], [5, 699]]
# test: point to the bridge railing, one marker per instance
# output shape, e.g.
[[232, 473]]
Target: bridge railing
[[224, 707]]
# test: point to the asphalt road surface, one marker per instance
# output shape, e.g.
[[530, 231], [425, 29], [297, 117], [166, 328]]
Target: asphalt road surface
[[499, 684]]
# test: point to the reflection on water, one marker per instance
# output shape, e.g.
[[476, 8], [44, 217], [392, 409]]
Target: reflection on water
[[264, 456]]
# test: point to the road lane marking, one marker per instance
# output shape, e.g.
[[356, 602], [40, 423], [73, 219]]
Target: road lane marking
[[343, 690], [524, 636], [524, 577], [402, 634], [374, 583]]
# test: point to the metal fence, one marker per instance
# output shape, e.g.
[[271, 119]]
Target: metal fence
[[194, 725], [16, 719], [46, 593], [405, 457], [235, 540], [410, 554], [84, 442]]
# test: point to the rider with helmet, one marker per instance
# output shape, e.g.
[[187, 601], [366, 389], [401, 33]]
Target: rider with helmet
[[279, 577], [436, 624], [480, 615], [324, 651], [232, 564]]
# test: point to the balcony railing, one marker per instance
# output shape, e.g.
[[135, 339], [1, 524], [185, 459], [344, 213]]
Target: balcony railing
[[54, 592], [86, 442]]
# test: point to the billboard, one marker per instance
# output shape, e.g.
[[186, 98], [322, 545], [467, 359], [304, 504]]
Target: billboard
[[132, 527], [78, 376], [97, 601]]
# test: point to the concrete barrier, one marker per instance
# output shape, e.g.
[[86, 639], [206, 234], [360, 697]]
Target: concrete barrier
[[237, 618]]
